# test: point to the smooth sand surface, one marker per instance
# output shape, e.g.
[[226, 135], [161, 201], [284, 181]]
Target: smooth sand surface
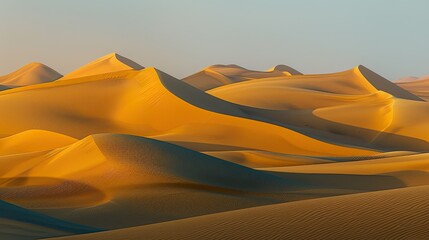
[[226, 153], [33, 141], [112, 62], [417, 86], [32, 73], [391, 214]]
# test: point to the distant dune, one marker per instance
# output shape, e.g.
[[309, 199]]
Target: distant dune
[[112, 62], [32, 73], [418, 86], [226, 153], [33, 141], [219, 75]]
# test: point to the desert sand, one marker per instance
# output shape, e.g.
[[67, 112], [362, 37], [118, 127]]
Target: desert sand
[[114, 150], [32, 73], [417, 86]]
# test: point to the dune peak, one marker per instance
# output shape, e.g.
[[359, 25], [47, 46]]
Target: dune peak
[[385, 85], [285, 68], [29, 74], [111, 62]]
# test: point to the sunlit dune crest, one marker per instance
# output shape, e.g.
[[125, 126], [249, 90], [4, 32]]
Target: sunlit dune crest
[[112, 62], [32, 73], [225, 153]]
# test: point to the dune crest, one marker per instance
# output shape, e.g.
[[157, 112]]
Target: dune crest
[[385, 85], [32, 73], [226, 153], [112, 62], [33, 141], [285, 68]]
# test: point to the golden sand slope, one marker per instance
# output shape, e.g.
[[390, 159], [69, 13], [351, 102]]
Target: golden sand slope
[[418, 86], [219, 75], [149, 103], [32, 73], [33, 141], [391, 214], [356, 104], [101, 178], [19, 224], [101, 156], [309, 91], [112, 62]]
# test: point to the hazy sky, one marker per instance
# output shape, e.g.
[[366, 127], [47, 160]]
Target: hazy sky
[[182, 36]]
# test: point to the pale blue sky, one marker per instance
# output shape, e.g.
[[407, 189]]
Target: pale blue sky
[[182, 36]]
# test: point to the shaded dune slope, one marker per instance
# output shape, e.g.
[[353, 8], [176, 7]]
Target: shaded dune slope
[[18, 224], [94, 180]]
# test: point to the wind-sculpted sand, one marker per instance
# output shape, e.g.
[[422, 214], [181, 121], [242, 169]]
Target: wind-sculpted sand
[[128, 152]]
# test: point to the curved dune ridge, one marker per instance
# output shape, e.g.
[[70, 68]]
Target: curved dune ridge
[[226, 153], [32, 73], [102, 175], [33, 141], [285, 68], [392, 214], [112, 62], [356, 103], [149, 103]]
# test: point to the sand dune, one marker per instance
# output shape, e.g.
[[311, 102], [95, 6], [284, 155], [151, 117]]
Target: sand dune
[[411, 79], [32, 73], [112, 62], [287, 92], [362, 106], [148, 103], [219, 75], [108, 173], [261, 159], [19, 224], [33, 141], [391, 214], [385, 85], [226, 153], [417, 86], [284, 68]]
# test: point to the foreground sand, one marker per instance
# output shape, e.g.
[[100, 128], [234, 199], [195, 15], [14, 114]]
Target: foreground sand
[[391, 214], [226, 153]]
